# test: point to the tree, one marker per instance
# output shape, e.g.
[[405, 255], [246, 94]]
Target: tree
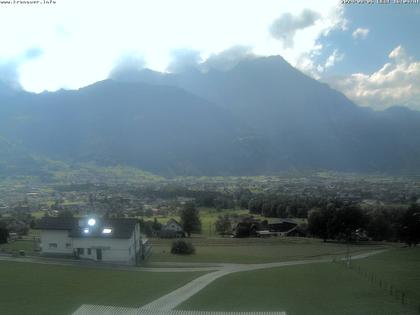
[[146, 228], [4, 234], [347, 219], [319, 222], [190, 219], [410, 226], [181, 247], [156, 226], [223, 225], [379, 225], [336, 221], [255, 205]]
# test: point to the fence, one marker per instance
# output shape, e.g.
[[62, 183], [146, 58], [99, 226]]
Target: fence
[[399, 294]]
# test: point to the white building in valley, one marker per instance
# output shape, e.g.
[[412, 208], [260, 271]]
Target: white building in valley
[[108, 240]]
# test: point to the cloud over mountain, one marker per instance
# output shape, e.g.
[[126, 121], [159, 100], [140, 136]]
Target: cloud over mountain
[[184, 59], [396, 83], [284, 28], [228, 58], [9, 68], [127, 65]]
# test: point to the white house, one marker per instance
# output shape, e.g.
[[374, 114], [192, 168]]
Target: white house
[[172, 229], [173, 225], [108, 240]]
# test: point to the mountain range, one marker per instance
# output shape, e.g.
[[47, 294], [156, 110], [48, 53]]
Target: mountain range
[[262, 116]]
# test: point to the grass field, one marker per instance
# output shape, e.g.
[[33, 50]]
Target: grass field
[[46, 289], [399, 267], [308, 289], [255, 250], [16, 246]]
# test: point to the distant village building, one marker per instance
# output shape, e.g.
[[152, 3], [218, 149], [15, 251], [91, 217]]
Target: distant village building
[[172, 229], [107, 240], [13, 236], [282, 226], [249, 226]]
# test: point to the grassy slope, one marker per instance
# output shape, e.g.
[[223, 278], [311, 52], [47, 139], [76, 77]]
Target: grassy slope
[[399, 267], [15, 246], [46, 289], [312, 289], [253, 250]]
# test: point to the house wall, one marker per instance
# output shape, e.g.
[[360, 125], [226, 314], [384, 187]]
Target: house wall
[[59, 237], [172, 226], [135, 243], [113, 250]]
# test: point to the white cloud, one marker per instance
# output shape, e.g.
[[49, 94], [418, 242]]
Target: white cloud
[[128, 64], [83, 40], [316, 70], [228, 58], [307, 48], [284, 28], [9, 67], [396, 83], [360, 33], [332, 59], [184, 59]]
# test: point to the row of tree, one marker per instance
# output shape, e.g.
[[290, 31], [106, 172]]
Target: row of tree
[[283, 206], [342, 221], [4, 233]]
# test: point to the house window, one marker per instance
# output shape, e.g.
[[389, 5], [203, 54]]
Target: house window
[[81, 251], [52, 245], [107, 231], [68, 245], [89, 251]]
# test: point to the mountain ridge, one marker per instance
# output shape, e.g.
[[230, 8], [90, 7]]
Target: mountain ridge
[[260, 117]]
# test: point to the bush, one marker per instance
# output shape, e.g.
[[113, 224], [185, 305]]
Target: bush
[[181, 247]]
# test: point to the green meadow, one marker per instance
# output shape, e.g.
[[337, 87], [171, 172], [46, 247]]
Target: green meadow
[[323, 288]]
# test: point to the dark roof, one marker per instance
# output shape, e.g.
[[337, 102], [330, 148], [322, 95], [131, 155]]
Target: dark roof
[[172, 220], [54, 223], [282, 220], [121, 228]]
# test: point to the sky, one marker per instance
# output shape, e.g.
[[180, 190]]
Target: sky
[[371, 53]]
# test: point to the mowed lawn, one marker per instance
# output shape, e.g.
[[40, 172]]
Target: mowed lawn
[[399, 267], [254, 250], [16, 246], [323, 288], [27, 288]]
